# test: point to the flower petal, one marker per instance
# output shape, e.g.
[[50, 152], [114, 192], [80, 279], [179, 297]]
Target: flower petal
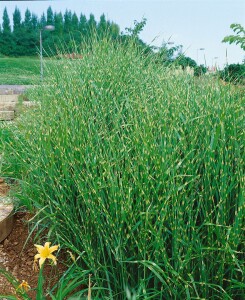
[[53, 248], [39, 248], [37, 256], [51, 256], [46, 245], [41, 261]]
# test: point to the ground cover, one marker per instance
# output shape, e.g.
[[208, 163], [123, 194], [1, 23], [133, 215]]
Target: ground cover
[[19, 70], [138, 172]]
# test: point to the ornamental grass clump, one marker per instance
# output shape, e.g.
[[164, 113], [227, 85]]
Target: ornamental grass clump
[[138, 172]]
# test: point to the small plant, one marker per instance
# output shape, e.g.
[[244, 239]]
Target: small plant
[[24, 286], [44, 252], [67, 286], [21, 289]]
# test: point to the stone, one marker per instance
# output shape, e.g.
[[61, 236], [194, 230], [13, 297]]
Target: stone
[[9, 98], [6, 221], [6, 115], [7, 106]]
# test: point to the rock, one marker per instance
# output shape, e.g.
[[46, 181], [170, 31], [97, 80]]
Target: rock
[[6, 115]]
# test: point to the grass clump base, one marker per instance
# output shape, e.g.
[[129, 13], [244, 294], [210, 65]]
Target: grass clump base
[[139, 173]]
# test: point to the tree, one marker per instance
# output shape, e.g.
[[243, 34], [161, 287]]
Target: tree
[[166, 54], [50, 16], [57, 34], [200, 70], [74, 22], [27, 21], [238, 38], [138, 27], [17, 33], [67, 21], [185, 61], [6, 22], [83, 26], [102, 26], [34, 22], [76, 35], [58, 23], [24, 39], [29, 39], [43, 21], [16, 20], [6, 41], [91, 24], [114, 29]]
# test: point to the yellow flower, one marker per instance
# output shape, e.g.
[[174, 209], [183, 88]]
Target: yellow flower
[[45, 252], [24, 286]]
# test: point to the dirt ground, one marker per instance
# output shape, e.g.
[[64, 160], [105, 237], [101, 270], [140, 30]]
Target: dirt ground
[[17, 256]]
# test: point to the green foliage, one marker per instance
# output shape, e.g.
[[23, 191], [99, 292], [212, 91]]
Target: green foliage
[[91, 24], [102, 26], [6, 43], [234, 73], [238, 38], [16, 20], [139, 172], [27, 21], [58, 23], [138, 27], [185, 61], [200, 70], [69, 30], [43, 21], [83, 25], [6, 22], [67, 21], [50, 16]]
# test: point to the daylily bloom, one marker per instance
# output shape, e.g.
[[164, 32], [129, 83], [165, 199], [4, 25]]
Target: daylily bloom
[[45, 252], [24, 286]]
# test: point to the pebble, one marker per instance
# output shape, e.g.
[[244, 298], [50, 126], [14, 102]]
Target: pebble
[[5, 243]]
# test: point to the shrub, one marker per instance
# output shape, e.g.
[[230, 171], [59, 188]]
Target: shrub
[[200, 70], [139, 173], [234, 73]]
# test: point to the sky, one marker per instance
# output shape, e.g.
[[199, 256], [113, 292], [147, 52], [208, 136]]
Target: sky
[[194, 24]]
